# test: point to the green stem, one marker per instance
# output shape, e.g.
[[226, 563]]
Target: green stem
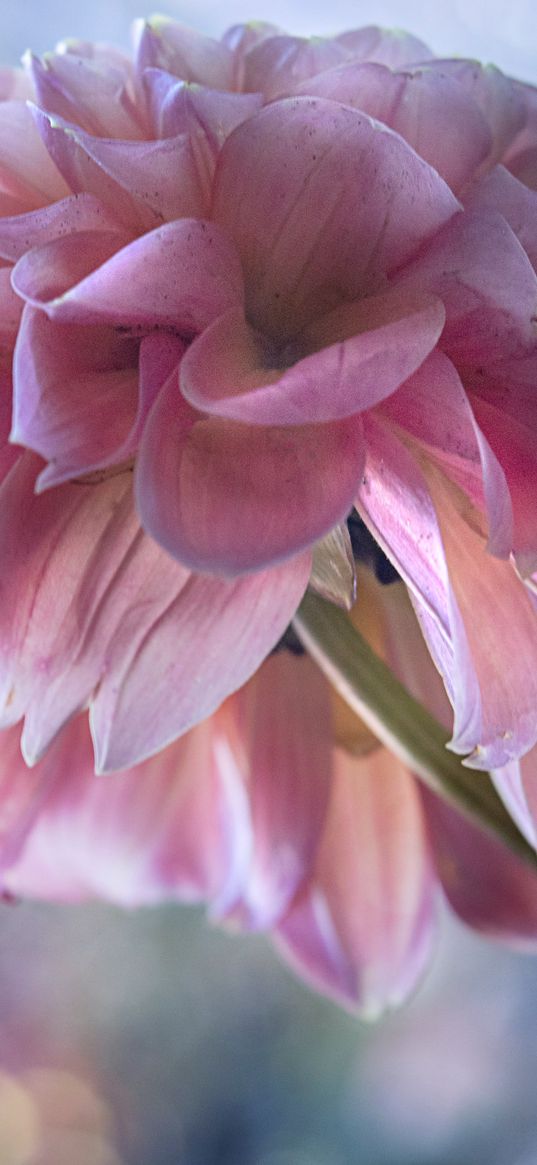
[[399, 721]]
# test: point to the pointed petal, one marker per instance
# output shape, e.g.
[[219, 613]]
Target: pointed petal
[[92, 93], [182, 275], [486, 659], [515, 447], [178, 107], [352, 203], [226, 497], [275, 736], [451, 436], [228, 372], [159, 682], [362, 931], [146, 835]]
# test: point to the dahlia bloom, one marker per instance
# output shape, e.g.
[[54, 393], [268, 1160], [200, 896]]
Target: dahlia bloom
[[248, 286]]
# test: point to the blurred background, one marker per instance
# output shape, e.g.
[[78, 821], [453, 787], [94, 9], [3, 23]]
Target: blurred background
[[151, 1039]]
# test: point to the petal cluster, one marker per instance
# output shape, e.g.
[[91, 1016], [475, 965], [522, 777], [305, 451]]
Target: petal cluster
[[246, 286]]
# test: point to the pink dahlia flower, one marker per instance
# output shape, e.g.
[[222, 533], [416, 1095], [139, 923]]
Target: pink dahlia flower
[[247, 287]]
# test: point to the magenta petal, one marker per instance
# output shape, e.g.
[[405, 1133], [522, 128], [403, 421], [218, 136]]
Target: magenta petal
[[352, 202], [26, 170], [149, 834], [515, 446], [227, 371], [498, 97], [491, 889], [274, 740], [226, 497], [159, 683], [362, 931], [182, 275]]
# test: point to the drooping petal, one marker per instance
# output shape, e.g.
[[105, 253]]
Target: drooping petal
[[487, 663], [515, 447], [433, 407], [182, 275], [362, 930], [90, 602], [162, 684], [147, 835], [425, 107], [227, 497], [274, 740], [227, 371], [343, 201]]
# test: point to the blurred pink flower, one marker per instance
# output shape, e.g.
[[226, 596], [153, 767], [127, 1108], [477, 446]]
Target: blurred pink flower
[[273, 279]]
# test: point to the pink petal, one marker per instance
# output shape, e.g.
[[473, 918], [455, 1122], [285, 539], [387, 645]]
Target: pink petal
[[160, 682], [452, 438], [184, 52], [142, 836], [493, 891], [386, 45], [474, 611], [515, 447], [426, 107], [277, 64], [89, 600], [275, 741], [501, 191], [79, 212], [26, 170], [485, 280], [77, 398], [177, 108], [10, 311], [362, 931], [226, 497], [89, 92], [81, 174], [342, 201], [23, 793], [182, 275], [497, 96], [227, 370], [157, 180]]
